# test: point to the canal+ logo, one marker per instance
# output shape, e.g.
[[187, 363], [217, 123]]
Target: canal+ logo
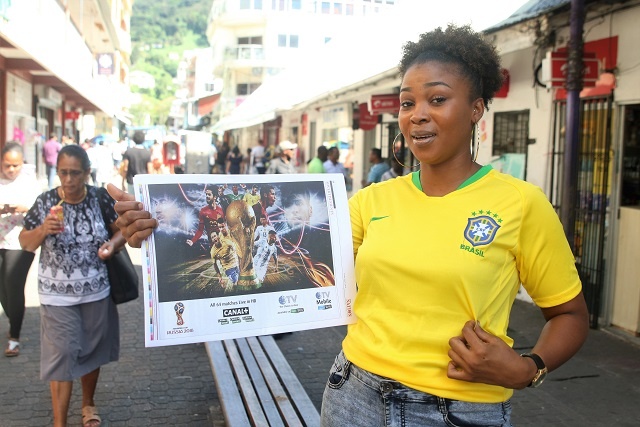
[[233, 312]]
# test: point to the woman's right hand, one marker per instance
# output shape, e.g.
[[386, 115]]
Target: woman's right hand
[[52, 225], [135, 223]]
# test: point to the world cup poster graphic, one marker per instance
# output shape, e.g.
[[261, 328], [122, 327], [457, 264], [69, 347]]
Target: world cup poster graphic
[[245, 255]]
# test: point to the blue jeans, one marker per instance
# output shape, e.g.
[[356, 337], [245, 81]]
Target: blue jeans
[[51, 175], [356, 397]]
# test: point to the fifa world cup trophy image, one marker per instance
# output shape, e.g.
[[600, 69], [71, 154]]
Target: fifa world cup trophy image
[[241, 221], [179, 308]]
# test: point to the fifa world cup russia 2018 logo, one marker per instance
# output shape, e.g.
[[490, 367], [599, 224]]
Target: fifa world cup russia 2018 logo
[[179, 308]]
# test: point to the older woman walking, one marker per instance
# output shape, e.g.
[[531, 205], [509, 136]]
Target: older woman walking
[[79, 321]]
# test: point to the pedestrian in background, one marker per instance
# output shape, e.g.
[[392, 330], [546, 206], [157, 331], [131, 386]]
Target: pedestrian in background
[[50, 151], [18, 191], [332, 165], [282, 162], [315, 165], [378, 167], [117, 150], [257, 154], [394, 171], [234, 161], [443, 252], [220, 166], [104, 165], [136, 159], [247, 164], [78, 320], [92, 153], [101, 163]]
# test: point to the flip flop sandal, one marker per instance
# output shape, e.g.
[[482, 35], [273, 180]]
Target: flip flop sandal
[[12, 352], [90, 417]]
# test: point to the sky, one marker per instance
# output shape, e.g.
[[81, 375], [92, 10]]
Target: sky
[[480, 14]]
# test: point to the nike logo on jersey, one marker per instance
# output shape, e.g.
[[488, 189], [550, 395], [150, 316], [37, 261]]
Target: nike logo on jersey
[[376, 218]]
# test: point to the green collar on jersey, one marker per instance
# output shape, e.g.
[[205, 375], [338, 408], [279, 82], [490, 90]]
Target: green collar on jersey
[[415, 177]]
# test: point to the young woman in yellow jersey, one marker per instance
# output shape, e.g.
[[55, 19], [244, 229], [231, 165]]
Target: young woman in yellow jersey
[[436, 281], [439, 256]]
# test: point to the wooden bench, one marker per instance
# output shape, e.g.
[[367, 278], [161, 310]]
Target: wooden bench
[[256, 385]]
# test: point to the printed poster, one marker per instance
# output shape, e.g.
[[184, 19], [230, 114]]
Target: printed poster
[[245, 255]]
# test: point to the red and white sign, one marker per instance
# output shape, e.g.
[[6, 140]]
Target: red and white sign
[[557, 65], [388, 103], [71, 115], [366, 121]]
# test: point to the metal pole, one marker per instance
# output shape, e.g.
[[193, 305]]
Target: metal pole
[[572, 143]]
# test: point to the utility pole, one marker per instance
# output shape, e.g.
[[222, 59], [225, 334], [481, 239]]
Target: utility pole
[[572, 143]]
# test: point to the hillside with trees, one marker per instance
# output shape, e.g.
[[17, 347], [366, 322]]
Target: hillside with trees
[[160, 32]]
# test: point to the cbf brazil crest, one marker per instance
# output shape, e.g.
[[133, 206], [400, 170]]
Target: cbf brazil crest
[[481, 230]]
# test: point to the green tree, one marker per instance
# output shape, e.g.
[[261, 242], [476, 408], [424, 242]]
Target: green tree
[[176, 25]]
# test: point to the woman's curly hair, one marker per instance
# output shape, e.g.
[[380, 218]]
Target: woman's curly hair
[[477, 59]]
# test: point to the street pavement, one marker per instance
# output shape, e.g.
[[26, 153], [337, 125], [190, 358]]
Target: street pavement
[[173, 386]]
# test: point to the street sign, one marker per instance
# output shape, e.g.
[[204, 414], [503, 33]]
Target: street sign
[[555, 66], [71, 115], [388, 103]]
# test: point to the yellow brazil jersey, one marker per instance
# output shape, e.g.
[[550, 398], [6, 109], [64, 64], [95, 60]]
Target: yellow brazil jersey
[[426, 265], [227, 254], [251, 199]]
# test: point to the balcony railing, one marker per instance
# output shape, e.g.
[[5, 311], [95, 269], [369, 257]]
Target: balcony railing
[[245, 52]]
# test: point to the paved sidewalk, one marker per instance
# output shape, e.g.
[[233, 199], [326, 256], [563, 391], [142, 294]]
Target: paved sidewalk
[[173, 386], [168, 386]]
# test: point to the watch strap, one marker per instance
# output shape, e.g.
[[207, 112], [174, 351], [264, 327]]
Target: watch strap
[[537, 359], [542, 369]]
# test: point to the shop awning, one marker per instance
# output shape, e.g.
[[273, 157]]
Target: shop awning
[[206, 104]]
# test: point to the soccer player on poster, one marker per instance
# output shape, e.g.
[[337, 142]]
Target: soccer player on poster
[[265, 251], [225, 251], [207, 218], [261, 234]]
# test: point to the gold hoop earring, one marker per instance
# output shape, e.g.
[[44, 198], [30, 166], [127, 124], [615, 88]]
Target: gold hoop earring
[[475, 144], [393, 150]]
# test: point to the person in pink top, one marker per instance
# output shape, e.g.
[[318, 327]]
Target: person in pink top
[[50, 151]]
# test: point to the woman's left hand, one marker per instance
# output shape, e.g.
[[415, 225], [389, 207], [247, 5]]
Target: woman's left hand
[[477, 356], [107, 250]]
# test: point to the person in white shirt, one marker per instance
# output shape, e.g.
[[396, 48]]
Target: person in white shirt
[[263, 255], [18, 190], [261, 234], [257, 157]]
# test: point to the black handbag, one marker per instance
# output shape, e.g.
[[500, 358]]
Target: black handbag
[[123, 277]]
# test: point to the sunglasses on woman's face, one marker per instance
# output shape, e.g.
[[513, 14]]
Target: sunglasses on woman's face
[[70, 172]]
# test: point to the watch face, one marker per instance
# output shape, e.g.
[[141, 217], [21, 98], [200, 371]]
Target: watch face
[[539, 378], [542, 369]]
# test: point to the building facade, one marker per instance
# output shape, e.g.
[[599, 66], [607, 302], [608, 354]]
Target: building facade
[[253, 41], [64, 68]]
